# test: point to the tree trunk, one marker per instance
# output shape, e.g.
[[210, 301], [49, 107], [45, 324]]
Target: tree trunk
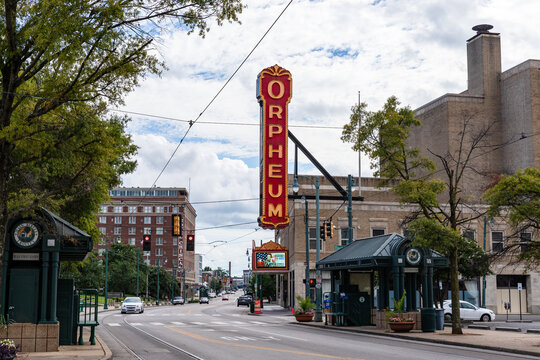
[[454, 287]]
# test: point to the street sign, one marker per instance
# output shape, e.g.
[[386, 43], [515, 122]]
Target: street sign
[[319, 278], [318, 286], [520, 286]]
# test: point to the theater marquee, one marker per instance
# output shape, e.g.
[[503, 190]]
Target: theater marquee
[[274, 91]]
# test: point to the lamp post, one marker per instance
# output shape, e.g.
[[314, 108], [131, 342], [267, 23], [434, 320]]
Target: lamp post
[[172, 283], [350, 189], [106, 270], [137, 272], [318, 310], [157, 291]]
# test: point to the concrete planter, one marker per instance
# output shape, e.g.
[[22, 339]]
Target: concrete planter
[[404, 326], [304, 317]]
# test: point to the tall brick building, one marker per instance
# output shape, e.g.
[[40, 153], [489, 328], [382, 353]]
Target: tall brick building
[[508, 105], [135, 212]]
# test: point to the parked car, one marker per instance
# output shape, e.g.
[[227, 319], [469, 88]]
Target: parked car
[[132, 305], [224, 297], [212, 295], [468, 311], [203, 300], [178, 300], [243, 300]]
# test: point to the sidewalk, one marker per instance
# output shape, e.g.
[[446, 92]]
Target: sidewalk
[[508, 341]]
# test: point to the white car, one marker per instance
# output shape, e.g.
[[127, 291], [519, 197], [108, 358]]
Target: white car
[[132, 305], [468, 311]]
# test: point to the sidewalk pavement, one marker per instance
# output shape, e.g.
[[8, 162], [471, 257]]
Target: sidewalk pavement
[[508, 341]]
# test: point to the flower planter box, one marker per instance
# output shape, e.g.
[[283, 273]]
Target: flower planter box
[[304, 317], [402, 326]]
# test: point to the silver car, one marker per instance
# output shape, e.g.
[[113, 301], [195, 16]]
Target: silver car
[[132, 305]]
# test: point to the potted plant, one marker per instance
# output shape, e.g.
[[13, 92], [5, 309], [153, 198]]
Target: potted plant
[[8, 349], [396, 321], [303, 311]]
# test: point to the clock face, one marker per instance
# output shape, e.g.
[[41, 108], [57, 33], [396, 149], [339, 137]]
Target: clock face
[[413, 256], [26, 235]]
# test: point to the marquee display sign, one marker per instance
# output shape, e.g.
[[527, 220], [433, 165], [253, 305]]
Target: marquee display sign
[[270, 258], [274, 92]]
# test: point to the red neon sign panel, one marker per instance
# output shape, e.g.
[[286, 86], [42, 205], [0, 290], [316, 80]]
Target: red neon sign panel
[[274, 92]]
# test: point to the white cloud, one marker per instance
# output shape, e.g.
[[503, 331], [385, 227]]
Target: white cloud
[[414, 50]]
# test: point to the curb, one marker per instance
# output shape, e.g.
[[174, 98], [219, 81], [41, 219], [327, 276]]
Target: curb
[[444, 342], [106, 350], [506, 328], [533, 331]]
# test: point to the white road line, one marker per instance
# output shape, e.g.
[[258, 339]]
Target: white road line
[[197, 323], [258, 322], [238, 322], [216, 315], [219, 323], [113, 324], [177, 323], [157, 323], [136, 324]]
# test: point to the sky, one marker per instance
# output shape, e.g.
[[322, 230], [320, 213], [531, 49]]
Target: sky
[[337, 52]]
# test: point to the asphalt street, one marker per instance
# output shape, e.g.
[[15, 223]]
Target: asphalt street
[[221, 330]]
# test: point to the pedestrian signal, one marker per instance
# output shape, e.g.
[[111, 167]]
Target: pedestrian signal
[[190, 246], [147, 243]]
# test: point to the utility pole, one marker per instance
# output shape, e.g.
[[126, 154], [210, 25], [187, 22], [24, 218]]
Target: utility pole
[[157, 295], [350, 183], [105, 306], [307, 245], [137, 272], [318, 285]]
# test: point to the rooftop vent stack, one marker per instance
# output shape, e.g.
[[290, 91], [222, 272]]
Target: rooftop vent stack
[[484, 62]]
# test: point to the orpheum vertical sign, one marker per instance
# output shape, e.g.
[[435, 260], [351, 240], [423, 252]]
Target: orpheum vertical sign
[[274, 91]]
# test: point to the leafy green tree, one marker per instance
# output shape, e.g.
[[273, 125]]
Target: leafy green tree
[[517, 199], [88, 274], [437, 191], [62, 64], [123, 269]]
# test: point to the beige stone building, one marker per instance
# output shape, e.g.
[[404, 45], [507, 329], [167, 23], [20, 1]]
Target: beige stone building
[[502, 106]]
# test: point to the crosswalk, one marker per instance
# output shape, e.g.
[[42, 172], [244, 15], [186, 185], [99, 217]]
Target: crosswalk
[[194, 323]]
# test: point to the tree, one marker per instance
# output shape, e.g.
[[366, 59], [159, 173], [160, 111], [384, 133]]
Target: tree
[[88, 274], [62, 64], [517, 198], [436, 191], [123, 269]]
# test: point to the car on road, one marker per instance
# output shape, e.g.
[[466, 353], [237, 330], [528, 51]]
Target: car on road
[[224, 297], [212, 295], [178, 300], [243, 300], [203, 300], [468, 311], [132, 304]]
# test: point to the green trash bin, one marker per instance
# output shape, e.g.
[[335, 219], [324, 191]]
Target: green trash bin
[[252, 307], [428, 319]]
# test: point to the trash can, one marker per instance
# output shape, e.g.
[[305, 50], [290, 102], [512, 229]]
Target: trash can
[[439, 319], [252, 307], [428, 319]]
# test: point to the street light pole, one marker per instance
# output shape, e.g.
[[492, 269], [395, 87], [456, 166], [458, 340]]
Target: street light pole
[[318, 310], [157, 295], [137, 272], [105, 307], [350, 184], [172, 285], [307, 246]]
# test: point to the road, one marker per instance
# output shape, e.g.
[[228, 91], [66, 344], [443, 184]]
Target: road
[[221, 330]]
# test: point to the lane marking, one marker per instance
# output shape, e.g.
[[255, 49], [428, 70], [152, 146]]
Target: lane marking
[[136, 324], [238, 322], [157, 323], [177, 323], [219, 323], [197, 323], [215, 341], [113, 324]]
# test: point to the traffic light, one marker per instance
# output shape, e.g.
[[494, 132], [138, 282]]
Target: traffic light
[[329, 229], [322, 231], [190, 246], [147, 243], [311, 282]]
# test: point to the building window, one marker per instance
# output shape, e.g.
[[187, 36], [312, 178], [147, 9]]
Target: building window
[[118, 239], [175, 263], [132, 231], [104, 209], [469, 234], [344, 236], [102, 219], [117, 209], [159, 231], [132, 219], [147, 209], [147, 231], [131, 241], [103, 230], [159, 209], [118, 231], [159, 219], [175, 252], [147, 220], [497, 241], [101, 251], [174, 241], [312, 239], [159, 251], [524, 238], [159, 241], [132, 209], [117, 219], [377, 232]]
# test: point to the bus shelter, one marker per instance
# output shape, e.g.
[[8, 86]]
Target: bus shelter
[[368, 274]]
